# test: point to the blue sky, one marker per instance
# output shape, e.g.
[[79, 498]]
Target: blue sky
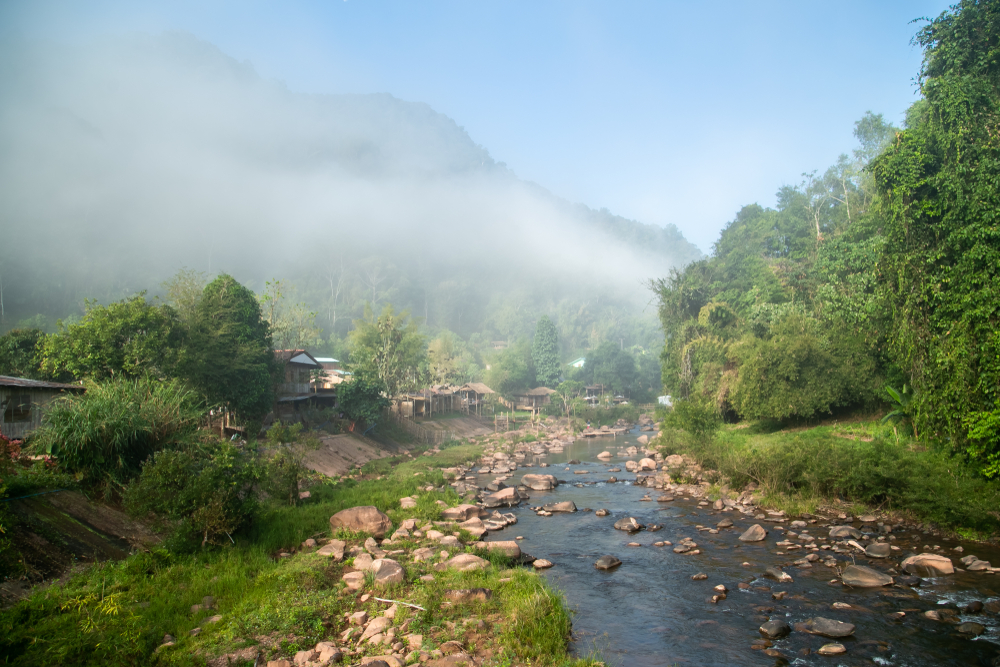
[[660, 111]]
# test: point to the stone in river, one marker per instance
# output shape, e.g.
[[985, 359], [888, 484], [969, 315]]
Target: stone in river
[[542, 564], [928, 565], [908, 581], [506, 497], [701, 576], [826, 627], [725, 523], [777, 574], [754, 533], [564, 506], [665, 499], [604, 455], [864, 577], [540, 482], [867, 518], [653, 527], [974, 607], [602, 512], [878, 550], [775, 629], [973, 629], [629, 525], [845, 531], [607, 563], [831, 649]]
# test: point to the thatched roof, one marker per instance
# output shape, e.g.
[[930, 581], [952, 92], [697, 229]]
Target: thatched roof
[[477, 387], [537, 391]]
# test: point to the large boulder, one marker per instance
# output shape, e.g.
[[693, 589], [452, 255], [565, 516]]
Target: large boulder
[[564, 506], [647, 464], [475, 526], [540, 482], [864, 577], [461, 513], [674, 460], [387, 572], [365, 519], [507, 547], [878, 550], [643, 440], [775, 629], [754, 533], [841, 532], [629, 525], [502, 498], [464, 563], [826, 627], [928, 565], [607, 563]]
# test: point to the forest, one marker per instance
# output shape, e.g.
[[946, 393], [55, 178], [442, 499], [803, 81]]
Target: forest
[[871, 284]]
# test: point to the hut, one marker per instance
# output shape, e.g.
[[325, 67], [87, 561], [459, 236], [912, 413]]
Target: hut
[[426, 402], [23, 401], [297, 388], [473, 396], [533, 399]]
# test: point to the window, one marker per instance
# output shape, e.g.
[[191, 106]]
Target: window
[[17, 409]]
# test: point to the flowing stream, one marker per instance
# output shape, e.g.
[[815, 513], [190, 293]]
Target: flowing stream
[[650, 612]]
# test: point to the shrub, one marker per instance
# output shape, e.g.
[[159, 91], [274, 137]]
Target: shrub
[[107, 433]]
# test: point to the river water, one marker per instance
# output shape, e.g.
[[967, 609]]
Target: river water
[[650, 612]]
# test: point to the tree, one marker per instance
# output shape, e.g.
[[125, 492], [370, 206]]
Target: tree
[[568, 391], [390, 348], [511, 369], [184, 291], [293, 325], [545, 352], [228, 356], [362, 399], [128, 338], [19, 353]]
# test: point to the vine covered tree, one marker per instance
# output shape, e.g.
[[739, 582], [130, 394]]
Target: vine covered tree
[[545, 352]]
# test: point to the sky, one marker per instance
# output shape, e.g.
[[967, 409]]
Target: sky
[[663, 112]]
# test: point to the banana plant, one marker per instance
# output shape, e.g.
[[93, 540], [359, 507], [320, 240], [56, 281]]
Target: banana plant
[[903, 410]]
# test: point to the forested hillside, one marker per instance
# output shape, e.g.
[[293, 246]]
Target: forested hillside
[[873, 283], [126, 160]]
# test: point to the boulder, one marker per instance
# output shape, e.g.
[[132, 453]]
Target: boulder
[[864, 577], [607, 563], [826, 627], [643, 440], [355, 580], [508, 547], [381, 661], [463, 512], [631, 466], [564, 506], [363, 562], [928, 565], [878, 550], [602, 512], [647, 464], [334, 549], [378, 625], [970, 628], [469, 594], [302, 657], [540, 482], [725, 523], [604, 455], [754, 533], [778, 575], [365, 519], [474, 526], [775, 629], [541, 564], [407, 503], [464, 563], [503, 498], [674, 460], [841, 532], [831, 649], [629, 525]]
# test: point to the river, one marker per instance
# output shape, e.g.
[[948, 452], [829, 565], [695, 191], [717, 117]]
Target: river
[[649, 611]]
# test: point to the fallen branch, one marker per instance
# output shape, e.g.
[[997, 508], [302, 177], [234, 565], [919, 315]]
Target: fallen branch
[[405, 604]]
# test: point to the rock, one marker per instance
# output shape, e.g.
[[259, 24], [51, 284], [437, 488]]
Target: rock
[[831, 649], [302, 657], [607, 563], [718, 504], [631, 466], [643, 440], [355, 580], [378, 625], [423, 553], [878, 550], [407, 503], [463, 512], [754, 533], [509, 548], [469, 594], [701, 576], [602, 512], [540, 482], [674, 460], [365, 519], [363, 562], [464, 563], [840, 532], [381, 661], [777, 574], [503, 498], [867, 518], [928, 565], [564, 506], [647, 464], [449, 541], [909, 581], [974, 607], [826, 627], [278, 663], [474, 526], [725, 523], [775, 629], [542, 564], [387, 572], [604, 455], [970, 628], [864, 577], [978, 565], [628, 524]]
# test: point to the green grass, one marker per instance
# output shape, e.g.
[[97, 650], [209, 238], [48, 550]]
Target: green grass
[[863, 466], [117, 613]]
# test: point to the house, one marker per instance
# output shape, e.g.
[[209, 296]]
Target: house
[[578, 363], [533, 399], [427, 402], [23, 401], [299, 366], [333, 375], [473, 395], [595, 393]]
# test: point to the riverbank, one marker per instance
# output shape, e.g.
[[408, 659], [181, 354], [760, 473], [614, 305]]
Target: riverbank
[[280, 591], [857, 467]]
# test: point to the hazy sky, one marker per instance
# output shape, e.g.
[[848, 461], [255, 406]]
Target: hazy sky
[[659, 111]]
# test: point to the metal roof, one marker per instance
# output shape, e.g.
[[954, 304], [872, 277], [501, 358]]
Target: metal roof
[[25, 383]]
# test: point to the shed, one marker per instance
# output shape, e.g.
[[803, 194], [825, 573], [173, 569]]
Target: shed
[[298, 368], [23, 401], [473, 396], [533, 399]]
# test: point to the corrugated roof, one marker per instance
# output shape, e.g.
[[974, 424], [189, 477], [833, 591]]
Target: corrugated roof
[[297, 357], [8, 381]]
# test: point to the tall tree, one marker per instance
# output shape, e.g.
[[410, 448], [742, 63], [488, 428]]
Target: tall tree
[[545, 352], [19, 350], [390, 348]]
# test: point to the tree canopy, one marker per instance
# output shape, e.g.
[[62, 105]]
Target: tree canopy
[[545, 352]]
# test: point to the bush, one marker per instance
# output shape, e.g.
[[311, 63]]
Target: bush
[[107, 433], [698, 418], [204, 490]]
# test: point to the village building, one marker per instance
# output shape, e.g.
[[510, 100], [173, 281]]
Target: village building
[[296, 388], [427, 402], [578, 363], [473, 397], [331, 376], [533, 399], [23, 401]]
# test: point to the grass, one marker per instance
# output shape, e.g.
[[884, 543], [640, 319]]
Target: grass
[[118, 613], [860, 466]]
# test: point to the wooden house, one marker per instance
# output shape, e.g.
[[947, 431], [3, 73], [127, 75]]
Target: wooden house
[[473, 396], [23, 401], [426, 402], [332, 375], [299, 366], [533, 399]]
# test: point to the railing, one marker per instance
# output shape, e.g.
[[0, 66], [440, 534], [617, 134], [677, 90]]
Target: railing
[[429, 436]]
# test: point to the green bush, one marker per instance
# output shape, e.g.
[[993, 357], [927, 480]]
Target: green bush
[[700, 419], [107, 433]]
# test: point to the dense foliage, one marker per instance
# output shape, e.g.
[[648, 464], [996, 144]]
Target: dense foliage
[[390, 348], [19, 353], [545, 352]]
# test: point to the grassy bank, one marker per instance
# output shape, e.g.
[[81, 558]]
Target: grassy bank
[[275, 599], [864, 464]]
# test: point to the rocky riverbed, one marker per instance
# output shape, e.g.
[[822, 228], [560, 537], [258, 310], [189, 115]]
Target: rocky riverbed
[[721, 581]]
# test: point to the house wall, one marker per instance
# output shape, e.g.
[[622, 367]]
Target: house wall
[[21, 426]]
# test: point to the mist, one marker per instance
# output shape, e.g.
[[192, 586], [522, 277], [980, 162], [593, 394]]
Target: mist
[[126, 159]]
